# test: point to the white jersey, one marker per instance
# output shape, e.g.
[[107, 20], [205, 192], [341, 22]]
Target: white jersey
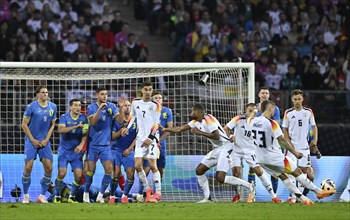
[[244, 142], [148, 116], [298, 124], [265, 133], [209, 124]]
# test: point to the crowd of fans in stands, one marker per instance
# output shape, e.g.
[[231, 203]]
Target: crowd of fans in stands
[[66, 31], [294, 43]]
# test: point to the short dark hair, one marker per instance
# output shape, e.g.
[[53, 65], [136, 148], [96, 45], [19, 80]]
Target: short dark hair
[[297, 92], [99, 89], [73, 100], [157, 93], [251, 104], [146, 83], [264, 88], [37, 90], [265, 103], [198, 106]]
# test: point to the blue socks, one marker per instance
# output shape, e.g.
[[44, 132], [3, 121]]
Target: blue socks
[[128, 185], [274, 182], [88, 180], [26, 180], [75, 187], [114, 185], [106, 180], [45, 183], [58, 186], [251, 177]]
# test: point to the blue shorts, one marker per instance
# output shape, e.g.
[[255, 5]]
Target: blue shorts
[[100, 152], [161, 161], [127, 161], [30, 151], [69, 156]]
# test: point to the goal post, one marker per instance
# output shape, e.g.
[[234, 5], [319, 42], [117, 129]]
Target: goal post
[[224, 88]]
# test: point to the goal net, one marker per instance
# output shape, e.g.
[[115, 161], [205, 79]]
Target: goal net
[[224, 88]]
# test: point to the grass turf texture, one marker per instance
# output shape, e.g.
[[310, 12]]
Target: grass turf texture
[[175, 210]]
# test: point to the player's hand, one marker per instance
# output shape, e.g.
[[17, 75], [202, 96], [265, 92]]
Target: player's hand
[[36, 143], [126, 152], [298, 154], [78, 149], [146, 143], [121, 102], [124, 131], [44, 143], [79, 126], [232, 138], [313, 143], [196, 131], [102, 106], [161, 128]]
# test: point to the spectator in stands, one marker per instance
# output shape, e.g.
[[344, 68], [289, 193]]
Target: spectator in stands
[[214, 36], [107, 14], [97, 6], [43, 32], [323, 63], [331, 35], [122, 36], [67, 11], [312, 79], [70, 45], [21, 54], [296, 61], [284, 46], [182, 29], [205, 23], [155, 8], [282, 64], [293, 34], [96, 25], [117, 22], [272, 78], [262, 68], [106, 38], [40, 55], [224, 49], [34, 23], [99, 55], [55, 47], [292, 80], [56, 24], [211, 56], [47, 13], [137, 53], [81, 30], [201, 48]]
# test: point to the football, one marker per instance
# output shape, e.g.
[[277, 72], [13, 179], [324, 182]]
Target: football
[[328, 184]]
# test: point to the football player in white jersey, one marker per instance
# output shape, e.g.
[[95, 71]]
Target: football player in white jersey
[[267, 133], [296, 123], [209, 127], [245, 149], [147, 113]]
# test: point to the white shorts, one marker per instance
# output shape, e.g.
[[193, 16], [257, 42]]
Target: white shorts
[[305, 161], [220, 157], [249, 157], [150, 152], [277, 167]]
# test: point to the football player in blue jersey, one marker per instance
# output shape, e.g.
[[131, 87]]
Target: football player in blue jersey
[[100, 116], [38, 125], [73, 128], [123, 151]]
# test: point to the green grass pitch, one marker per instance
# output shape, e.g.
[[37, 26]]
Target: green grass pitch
[[175, 210]]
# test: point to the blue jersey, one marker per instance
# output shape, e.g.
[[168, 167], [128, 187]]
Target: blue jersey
[[166, 117], [100, 133], [40, 119], [73, 138], [122, 143], [276, 115]]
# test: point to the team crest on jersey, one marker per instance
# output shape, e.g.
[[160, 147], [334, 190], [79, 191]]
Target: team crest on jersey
[[165, 115], [150, 108], [51, 112], [109, 111], [305, 115]]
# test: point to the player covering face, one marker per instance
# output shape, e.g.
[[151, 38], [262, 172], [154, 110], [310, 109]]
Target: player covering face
[[207, 125]]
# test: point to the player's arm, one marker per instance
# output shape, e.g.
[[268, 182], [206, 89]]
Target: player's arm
[[177, 129], [79, 148], [26, 130], [286, 134], [315, 133], [49, 134], [166, 134], [117, 134], [286, 144], [62, 129], [213, 135], [228, 133], [277, 115], [94, 118], [127, 151]]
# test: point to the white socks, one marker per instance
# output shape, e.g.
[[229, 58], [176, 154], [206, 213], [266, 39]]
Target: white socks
[[143, 179], [236, 181], [157, 182], [302, 179], [267, 184], [203, 183]]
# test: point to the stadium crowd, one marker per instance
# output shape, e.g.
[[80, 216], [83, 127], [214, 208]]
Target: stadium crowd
[[66, 31]]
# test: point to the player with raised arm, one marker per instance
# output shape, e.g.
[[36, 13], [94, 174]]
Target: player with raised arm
[[166, 120], [245, 149], [296, 123], [38, 124], [147, 113], [268, 136], [123, 151], [264, 94], [100, 116], [208, 126], [73, 127]]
